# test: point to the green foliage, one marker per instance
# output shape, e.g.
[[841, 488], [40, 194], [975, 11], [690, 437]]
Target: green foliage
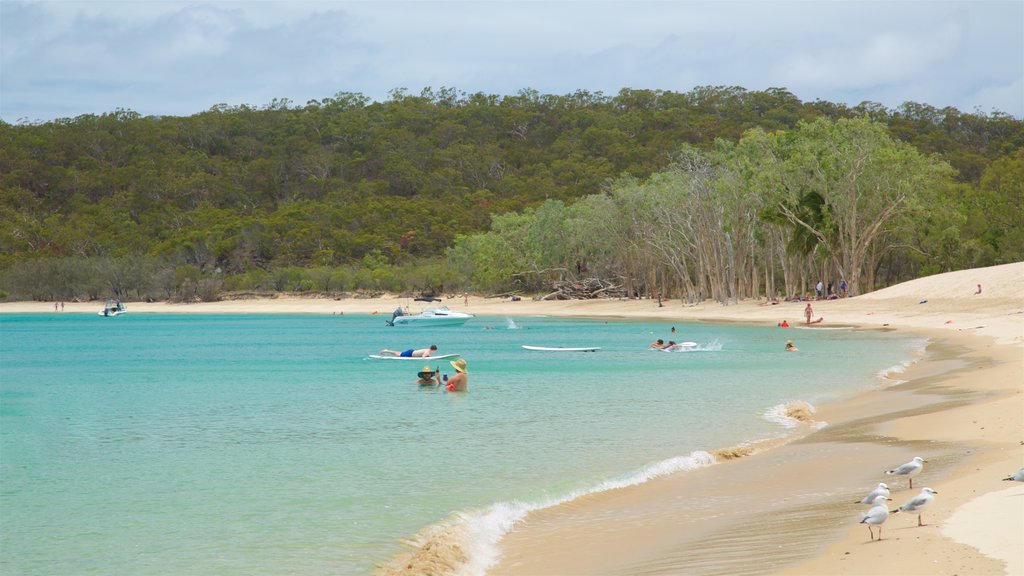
[[244, 194], [830, 199]]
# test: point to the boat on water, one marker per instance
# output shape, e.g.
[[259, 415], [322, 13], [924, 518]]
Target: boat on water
[[436, 316], [113, 307]]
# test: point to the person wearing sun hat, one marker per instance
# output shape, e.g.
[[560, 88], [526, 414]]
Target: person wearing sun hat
[[429, 377], [460, 380], [790, 347]]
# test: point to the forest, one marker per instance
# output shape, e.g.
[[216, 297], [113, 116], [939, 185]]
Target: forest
[[719, 193]]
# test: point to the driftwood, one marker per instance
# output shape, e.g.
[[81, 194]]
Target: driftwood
[[585, 289]]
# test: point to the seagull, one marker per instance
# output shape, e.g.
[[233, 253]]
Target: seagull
[[1018, 477], [877, 515], [918, 503], [882, 489], [911, 468]]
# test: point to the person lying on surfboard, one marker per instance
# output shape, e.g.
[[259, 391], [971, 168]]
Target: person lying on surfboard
[[674, 346], [411, 353]]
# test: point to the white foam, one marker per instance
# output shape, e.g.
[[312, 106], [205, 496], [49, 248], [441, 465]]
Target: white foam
[[486, 528], [889, 375], [713, 346], [779, 414]]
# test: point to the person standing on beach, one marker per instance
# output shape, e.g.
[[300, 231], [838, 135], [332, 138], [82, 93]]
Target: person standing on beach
[[808, 312], [460, 380], [410, 353]]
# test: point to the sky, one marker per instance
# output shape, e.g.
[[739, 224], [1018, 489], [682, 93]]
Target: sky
[[65, 58]]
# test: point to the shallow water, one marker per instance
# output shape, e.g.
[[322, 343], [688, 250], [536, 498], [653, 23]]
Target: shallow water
[[251, 444]]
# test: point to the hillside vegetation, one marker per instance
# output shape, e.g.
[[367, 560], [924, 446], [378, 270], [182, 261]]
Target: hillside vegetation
[[719, 192]]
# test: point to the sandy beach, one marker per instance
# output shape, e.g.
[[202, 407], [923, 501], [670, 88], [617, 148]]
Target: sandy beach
[[789, 508]]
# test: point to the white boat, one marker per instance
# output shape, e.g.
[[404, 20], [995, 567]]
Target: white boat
[[437, 316], [113, 307]]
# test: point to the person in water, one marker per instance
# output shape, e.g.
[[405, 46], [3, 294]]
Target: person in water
[[411, 353], [658, 344], [428, 377], [460, 380], [790, 347]]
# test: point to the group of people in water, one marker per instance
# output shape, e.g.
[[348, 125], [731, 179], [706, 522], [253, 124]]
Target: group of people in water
[[433, 377], [456, 383], [670, 346]]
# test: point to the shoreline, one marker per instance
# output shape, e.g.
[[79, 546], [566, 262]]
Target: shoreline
[[965, 419], [817, 475]]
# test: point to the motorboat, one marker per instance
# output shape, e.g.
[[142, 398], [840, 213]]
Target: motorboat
[[436, 316], [113, 307]]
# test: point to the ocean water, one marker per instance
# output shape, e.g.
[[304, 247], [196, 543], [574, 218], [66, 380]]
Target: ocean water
[[270, 444]]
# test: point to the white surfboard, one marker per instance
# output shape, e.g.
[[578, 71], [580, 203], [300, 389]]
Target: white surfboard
[[421, 359], [562, 349], [681, 346]]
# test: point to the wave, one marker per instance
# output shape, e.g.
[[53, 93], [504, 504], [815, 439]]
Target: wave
[[889, 375], [467, 543], [793, 415]]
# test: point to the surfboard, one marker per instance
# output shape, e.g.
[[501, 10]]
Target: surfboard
[[562, 349], [682, 347], [428, 358]]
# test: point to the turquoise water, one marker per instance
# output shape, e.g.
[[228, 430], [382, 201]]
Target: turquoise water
[[249, 444]]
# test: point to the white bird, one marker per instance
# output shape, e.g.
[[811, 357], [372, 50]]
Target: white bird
[[918, 503], [1018, 477], [882, 489], [877, 515], [912, 468]]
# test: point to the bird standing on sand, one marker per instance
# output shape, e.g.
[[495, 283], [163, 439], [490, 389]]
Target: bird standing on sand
[[910, 469], [877, 516], [1018, 477], [918, 503], [882, 490]]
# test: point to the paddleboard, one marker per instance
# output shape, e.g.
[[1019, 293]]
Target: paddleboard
[[562, 349], [679, 347], [428, 358]]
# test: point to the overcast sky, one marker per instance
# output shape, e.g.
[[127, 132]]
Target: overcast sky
[[64, 58]]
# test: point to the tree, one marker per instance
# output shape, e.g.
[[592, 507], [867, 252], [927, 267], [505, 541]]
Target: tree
[[866, 180]]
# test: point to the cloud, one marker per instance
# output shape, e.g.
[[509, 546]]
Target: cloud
[[65, 57]]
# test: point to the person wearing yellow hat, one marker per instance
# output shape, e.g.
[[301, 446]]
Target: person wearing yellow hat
[[460, 380], [429, 377], [790, 347]]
